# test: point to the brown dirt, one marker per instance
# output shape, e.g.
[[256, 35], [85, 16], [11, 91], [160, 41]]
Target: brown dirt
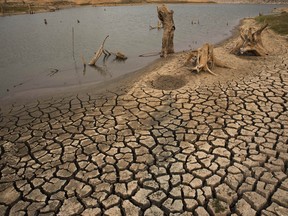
[[281, 10], [170, 73]]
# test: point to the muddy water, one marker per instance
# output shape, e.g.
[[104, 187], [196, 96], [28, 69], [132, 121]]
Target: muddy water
[[35, 55]]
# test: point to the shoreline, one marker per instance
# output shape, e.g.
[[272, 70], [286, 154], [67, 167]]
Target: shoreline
[[49, 8], [58, 92], [165, 141], [126, 81]]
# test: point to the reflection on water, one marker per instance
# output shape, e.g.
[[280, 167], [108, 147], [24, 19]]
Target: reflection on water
[[35, 54], [102, 70]]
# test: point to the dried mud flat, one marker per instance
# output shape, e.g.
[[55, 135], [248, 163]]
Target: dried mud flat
[[171, 143]]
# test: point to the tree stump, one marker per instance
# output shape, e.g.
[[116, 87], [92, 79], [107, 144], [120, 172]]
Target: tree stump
[[203, 59], [166, 17], [250, 42]]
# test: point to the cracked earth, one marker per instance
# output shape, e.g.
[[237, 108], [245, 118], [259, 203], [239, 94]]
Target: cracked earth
[[155, 148]]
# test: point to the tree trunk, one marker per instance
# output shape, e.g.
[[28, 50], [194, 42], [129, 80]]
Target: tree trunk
[[250, 42], [166, 17]]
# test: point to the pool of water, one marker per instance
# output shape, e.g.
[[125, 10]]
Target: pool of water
[[35, 55]]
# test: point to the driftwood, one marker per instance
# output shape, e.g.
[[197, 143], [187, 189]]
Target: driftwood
[[250, 42], [166, 17], [118, 56], [98, 53], [203, 59]]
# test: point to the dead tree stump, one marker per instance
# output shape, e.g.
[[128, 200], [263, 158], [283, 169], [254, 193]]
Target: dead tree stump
[[203, 59], [250, 42], [166, 17]]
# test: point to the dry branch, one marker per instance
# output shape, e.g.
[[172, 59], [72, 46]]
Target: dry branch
[[106, 52], [118, 56], [98, 53]]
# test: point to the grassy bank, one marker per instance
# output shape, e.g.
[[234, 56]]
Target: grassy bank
[[277, 22]]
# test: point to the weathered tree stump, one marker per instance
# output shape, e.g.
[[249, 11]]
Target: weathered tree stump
[[250, 42], [166, 17], [203, 59], [119, 56]]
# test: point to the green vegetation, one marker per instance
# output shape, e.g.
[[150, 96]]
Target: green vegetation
[[277, 22]]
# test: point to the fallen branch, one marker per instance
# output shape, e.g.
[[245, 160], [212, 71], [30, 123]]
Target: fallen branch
[[118, 56], [106, 52], [98, 53]]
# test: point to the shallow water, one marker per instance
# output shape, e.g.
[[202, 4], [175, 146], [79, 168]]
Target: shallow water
[[35, 56]]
